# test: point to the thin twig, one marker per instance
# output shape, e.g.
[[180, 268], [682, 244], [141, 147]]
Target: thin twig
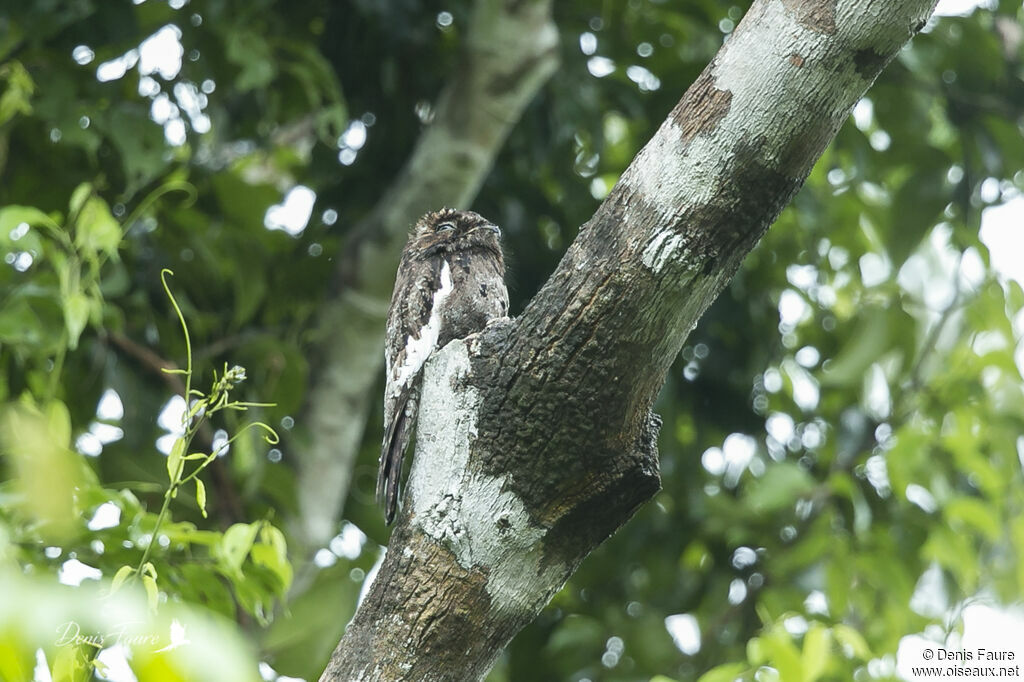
[[229, 505]]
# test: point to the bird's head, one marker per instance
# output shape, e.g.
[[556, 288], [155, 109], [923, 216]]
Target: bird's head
[[449, 230]]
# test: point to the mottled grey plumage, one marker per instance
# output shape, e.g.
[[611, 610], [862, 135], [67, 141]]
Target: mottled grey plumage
[[450, 282]]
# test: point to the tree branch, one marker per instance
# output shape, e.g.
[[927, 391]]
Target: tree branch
[[535, 440], [510, 52]]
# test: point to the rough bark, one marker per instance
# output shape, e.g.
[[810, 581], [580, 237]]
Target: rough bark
[[510, 52], [535, 439]]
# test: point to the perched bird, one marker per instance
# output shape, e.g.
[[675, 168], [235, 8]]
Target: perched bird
[[450, 283]]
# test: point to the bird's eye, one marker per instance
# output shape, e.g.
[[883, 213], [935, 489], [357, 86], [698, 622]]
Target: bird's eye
[[445, 227]]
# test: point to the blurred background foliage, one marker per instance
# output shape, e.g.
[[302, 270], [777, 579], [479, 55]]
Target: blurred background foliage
[[842, 445]]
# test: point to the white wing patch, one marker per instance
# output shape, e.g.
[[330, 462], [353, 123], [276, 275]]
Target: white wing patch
[[417, 350]]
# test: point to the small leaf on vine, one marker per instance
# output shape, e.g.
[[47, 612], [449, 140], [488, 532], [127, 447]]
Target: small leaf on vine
[[175, 461], [122, 574], [152, 593], [201, 496]]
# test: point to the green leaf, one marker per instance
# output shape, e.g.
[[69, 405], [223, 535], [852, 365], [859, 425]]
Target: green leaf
[[16, 97], [954, 551], [253, 596], [272, 535], [272, 553], [96, 230], [12, 216], [975, 514], [917, 205], [79, 197], [12, 665], [837, 583], [186, 533], [67, 666], [756, 653], [140, 144], [853, 640], [175, 461], [782, 654], [152, 592], [721, 673], [58, 420], [204, 586], [817, 645], [865, 344], [843, 484], [76, 315], [1014, 294], [251, 52], [207, 538], [963, 437], [1017, 541], [782, 484], [263, 555], [201, 496], [119, 577], [250, 293], [235, 546], [323, 94], [329, 119], [31, 322], [242, 202]]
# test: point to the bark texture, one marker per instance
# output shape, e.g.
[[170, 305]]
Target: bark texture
[[510, 52], [535, 439]]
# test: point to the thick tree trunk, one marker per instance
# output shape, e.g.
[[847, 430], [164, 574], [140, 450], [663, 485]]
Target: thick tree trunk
[[510, 52], [535, 438]]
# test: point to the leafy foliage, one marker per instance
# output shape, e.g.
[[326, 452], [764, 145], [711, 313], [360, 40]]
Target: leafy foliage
[[841, 432]]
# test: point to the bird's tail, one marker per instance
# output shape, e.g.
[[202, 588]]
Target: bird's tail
[[392, 454]]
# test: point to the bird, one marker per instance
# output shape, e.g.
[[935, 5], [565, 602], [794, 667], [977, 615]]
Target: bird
[[450, 284]]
